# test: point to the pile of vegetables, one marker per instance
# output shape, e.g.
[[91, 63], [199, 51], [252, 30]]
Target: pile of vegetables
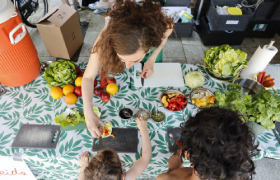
[[73, 117], [223, 60], [60, 73], [194, 79], [263, 108], [174, 101]]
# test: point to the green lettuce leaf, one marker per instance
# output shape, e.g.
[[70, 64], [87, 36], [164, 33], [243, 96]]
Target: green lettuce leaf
[[68, 117], [233, 59], [60, 73]]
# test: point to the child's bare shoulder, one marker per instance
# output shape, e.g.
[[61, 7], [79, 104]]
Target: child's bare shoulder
[[177, 174]]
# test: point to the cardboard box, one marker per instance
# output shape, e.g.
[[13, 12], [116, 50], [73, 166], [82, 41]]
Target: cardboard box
[[61, 32]]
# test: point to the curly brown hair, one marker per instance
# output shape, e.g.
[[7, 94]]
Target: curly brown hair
[[106, 165], [132, 26], [219, 145]]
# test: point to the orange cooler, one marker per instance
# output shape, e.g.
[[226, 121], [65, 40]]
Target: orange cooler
[[19, 62]]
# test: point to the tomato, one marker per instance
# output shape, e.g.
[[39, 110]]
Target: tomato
[[106, 132]]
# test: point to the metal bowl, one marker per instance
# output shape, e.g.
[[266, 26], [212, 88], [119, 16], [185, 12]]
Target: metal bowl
[[171, 91], [249, 85], [198, 90], [144, 113], [45, 65]]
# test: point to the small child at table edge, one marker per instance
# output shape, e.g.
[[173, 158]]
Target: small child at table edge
[[107, 165]]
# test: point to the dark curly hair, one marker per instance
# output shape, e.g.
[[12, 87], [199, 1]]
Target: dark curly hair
[[219, 145], [132, 27], [106, 165]]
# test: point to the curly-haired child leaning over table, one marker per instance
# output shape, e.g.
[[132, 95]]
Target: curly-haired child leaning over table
[[218, 145]]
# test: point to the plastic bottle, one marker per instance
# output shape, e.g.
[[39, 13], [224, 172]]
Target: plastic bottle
[[176, 17]]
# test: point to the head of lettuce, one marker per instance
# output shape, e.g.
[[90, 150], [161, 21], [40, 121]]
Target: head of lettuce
[[225, 61], [60, 73]]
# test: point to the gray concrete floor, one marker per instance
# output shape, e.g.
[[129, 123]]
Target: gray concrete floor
[[182, 50]]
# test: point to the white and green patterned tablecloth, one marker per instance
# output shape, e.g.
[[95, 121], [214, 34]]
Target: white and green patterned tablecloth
[[33, 104]]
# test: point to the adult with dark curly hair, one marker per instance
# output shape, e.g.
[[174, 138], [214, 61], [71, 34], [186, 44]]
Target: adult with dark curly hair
[[106, 165], [218, 145], [131, 30]]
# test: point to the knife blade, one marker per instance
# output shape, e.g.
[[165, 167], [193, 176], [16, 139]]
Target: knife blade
[[142, 79]]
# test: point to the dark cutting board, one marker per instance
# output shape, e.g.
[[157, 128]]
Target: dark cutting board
[[125, 140], [176, 132], [37, 136]]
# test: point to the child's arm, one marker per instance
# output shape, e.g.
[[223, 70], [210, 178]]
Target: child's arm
[[141, 164], [83, 160]]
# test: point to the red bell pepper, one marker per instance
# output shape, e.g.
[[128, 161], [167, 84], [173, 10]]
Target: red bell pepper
[[266, 77], [103, 79], [259, 77], [179, 144], [269, 84], [269, 80], [263, 77]]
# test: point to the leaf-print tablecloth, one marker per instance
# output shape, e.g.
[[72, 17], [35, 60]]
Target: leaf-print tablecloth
[[33, 104]]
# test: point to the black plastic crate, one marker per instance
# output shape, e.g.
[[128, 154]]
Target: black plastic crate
[[159, 1], [228, 22], [263, 28], [266, 10], [217, 38], [177, 3], [276, 14], [182, 30]]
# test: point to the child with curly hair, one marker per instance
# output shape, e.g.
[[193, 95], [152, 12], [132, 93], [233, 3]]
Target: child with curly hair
[[106, 165], [218, 145]]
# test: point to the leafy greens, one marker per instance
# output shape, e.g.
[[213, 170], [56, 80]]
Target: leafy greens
[[263, 108], [60, 73], [223, 60], [73, 117]]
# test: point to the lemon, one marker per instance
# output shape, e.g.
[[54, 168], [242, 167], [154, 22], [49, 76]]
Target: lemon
[[112, 88], [78, 82]]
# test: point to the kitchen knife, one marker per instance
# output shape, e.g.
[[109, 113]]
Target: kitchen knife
[[142, 79]]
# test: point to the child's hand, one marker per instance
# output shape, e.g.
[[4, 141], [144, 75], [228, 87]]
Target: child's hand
[[83, 159], [141, 124], [175, 161]]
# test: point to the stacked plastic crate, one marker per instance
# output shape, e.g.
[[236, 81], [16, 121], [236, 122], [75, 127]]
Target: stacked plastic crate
[[181, 29], [216, 29], [266, 20]]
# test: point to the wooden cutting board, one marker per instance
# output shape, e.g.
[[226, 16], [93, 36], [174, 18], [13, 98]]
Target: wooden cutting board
[[126, 140], [176, 133], [37, 136], [165, 74]]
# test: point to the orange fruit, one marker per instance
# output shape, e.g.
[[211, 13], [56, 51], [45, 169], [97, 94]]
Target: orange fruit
[[70, 99], [56, 92], [78, 81], [112, 88], [68, 89]]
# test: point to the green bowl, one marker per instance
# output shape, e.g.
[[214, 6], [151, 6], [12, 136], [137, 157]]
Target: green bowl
[[220, 77]]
